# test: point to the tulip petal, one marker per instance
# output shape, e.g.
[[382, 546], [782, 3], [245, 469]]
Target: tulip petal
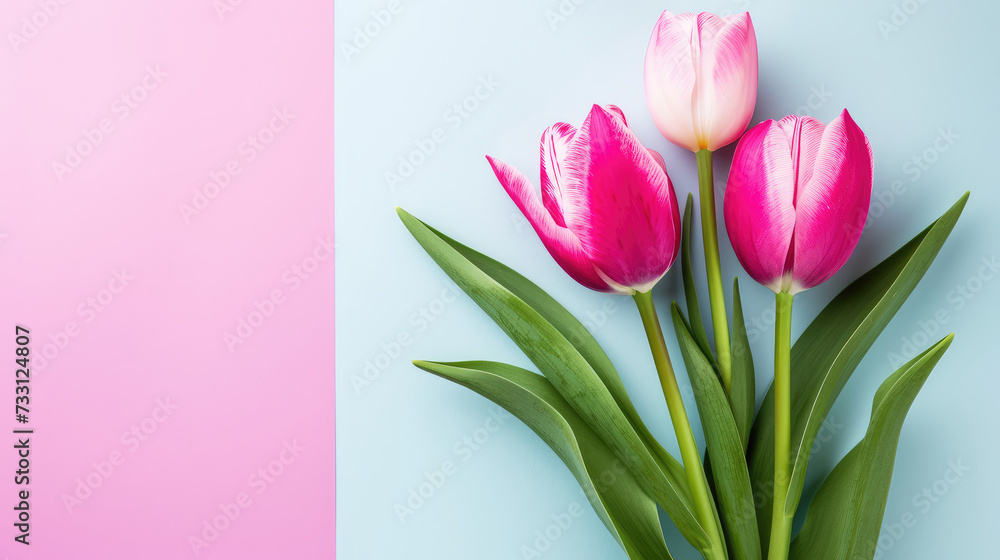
[[804, 135], [676, 216], [560, 242], [616, 111], [670, 78], [554, 146], [659, 159], [624, 208], [706, 26], [727, 88], [832, 205], [758, 205]]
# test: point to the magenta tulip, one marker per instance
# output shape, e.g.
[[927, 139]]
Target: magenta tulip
[[797, 199], [701, 78], [608, 214]]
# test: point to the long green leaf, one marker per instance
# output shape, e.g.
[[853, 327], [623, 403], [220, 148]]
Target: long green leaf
[[744, 393], [571, 375], [628, 512], [845, 517], [690, 289], [574, 331], [725, 448], [827, 353]]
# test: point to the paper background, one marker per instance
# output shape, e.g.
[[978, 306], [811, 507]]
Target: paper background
[[936, 71], [201, 81]]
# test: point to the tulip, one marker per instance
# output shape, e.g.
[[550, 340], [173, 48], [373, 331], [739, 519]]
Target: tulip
[[701, 87], [797, 199], [608, 213], [796, 203], [701, 78]]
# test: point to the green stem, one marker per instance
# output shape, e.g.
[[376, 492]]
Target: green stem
[[710, 235], [693, 467], [781, 524]]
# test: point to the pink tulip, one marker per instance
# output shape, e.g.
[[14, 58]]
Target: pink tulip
[[797, 199], [701, 78], [608, 214]]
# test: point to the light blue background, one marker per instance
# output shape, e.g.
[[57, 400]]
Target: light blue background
[[936, 71]]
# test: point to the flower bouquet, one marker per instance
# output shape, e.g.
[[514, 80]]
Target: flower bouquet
[[795, 206]]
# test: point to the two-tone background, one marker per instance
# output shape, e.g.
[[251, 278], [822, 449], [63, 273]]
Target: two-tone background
[[425, 89]]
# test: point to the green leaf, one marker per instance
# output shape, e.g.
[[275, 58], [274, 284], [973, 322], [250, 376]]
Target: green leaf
[[690, 291], [744, 384], [725, 448], [628, 512], [825, 356], [845, 516], [571, 374], [574, 331]]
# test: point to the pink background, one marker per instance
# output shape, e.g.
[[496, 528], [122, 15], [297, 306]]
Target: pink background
[[198, 84]]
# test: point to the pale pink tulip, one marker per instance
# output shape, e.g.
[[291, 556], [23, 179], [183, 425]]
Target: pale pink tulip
[[797, 199], [608, 214], [701, 78]]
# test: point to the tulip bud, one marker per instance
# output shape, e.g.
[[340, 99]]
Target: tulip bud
[[608, 214], [797, 199], [701, 78]]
